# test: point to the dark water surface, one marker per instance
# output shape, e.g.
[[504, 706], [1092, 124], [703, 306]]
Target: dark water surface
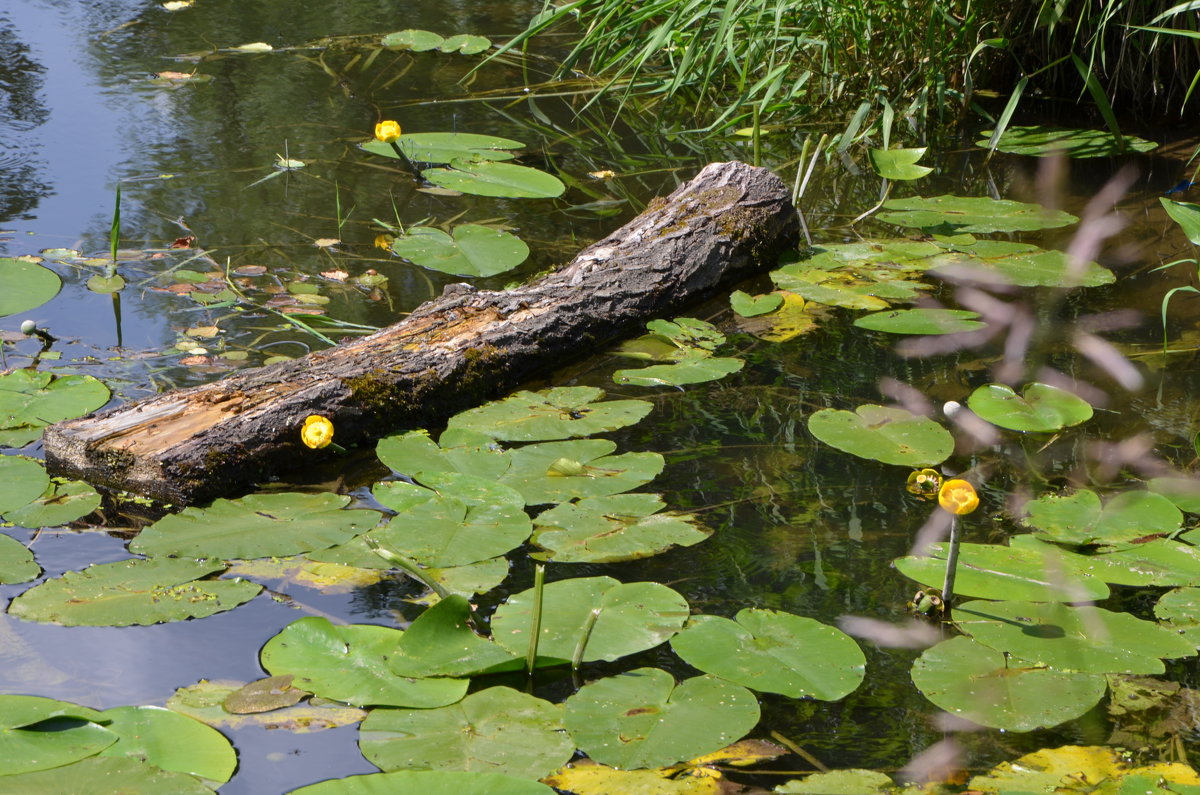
[[800, 527]]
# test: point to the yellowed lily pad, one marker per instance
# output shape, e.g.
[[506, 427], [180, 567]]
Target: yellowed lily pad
[[1075, 768]]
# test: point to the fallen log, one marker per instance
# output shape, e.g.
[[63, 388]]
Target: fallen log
[[451, 353]]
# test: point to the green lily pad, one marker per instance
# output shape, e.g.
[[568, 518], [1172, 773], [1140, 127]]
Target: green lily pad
[[99, 776], [466, 44], [972, 214], [497, 730], [25, 285], [255, 526], [106, 284], [558, 413], [924, 320], [471, 250], [644, 719], [1087, 639], [41, 733], [31, 399], [446, 147], [613, 528], [991, 571], [459, 450], [1179, 609], [426, 782], [1186, 214], [205, 701], [1158, 562], [969, 679], [351, 664], [817, 285], [1018, 264], [264, 695], [16, 562], [562, 471], [774, 652], [467, 519], [890, 435], [633, 617], [690, 371], [1079, 519], [899, 164], [1040, 408], [133, 592], [1042, 141], [840, 782], [752, 306], [412, 39], [441, 643], [1184, 492], [490, 178], [60, 504], [1077, 769], [170, 741], [687, 332]]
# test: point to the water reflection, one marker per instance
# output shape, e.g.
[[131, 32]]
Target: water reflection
[[22, 111]]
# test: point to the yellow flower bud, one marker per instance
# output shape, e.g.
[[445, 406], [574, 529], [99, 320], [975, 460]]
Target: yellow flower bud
[[384, 241], [317, 431], [387, 131], [924, 482], [958, 497]]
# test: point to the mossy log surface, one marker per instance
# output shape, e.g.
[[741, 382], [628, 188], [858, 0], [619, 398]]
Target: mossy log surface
[[453, 352]]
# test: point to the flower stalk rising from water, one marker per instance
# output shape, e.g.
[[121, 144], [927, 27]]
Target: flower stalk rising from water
[[959, 498], [388, 131]]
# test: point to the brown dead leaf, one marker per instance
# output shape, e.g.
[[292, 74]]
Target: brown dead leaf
[[335, 276], [250, 270], [193, 361], [184, 242]]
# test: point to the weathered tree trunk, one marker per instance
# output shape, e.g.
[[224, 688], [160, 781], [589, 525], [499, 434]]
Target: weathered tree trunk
[[452, 353]]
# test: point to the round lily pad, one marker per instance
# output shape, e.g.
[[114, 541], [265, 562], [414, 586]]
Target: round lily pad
[[969, 679], [458, 450], [489, 178], [441, 643], [22, 480], [1079, 518], [693, 370], [1183, 491], [256, 526], [497, 730], [921, 321], [561, 471], [890, 435], [613, 528], [1043, 141], [1040, 408], [1076, 769], [426, 782], [470, 250], [96, 776], [444, 147], [774, 652], [1179, 609], [559, 413], [465, 43], [633, 617], [747, 305], [972, 214], [128, 592], [350, 663], [32, 399], [412, 39], [40, 733], [171, 741], [644, 719], [59, 504], [16, 562], [25, 285], [1020, 264], [991, 571]]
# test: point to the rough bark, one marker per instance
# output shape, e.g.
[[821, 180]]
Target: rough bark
[[454, 352]]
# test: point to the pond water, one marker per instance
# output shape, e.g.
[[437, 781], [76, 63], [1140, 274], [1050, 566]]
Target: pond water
[[799, 526]]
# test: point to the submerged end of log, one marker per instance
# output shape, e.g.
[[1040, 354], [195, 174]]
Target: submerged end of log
[[461, 349]]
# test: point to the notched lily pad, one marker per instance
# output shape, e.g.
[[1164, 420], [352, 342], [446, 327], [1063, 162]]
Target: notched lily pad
[[562, 471], [890, 435], [445, 147], [16, 562], [25, 285], [1079, 518], [972, 214], [558, 413], [426, 782], [614, 528], [991, 571], [751, 306], [1040, 408], [170, 741], [470, 249], [490, 178], [1043, 141], [921, 321], [441, 643], [32, 399], [1079, 769]]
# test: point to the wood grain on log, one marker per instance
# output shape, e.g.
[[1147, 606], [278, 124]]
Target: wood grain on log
[[454, 352]]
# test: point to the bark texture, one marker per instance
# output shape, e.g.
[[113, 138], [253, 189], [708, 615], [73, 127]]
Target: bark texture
[[454, 352]]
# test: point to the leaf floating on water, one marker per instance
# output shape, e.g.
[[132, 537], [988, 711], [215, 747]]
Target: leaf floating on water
[[890, 435], [25, 285], [489, 178], [610, 529], [1040, 408], [992, 571], [91, 775], [924, 320], [412, 39], [558, 413], [203, 701], [16, 562], [603, 474], [168, 740], [751, 306], [446, 147], [1044, 141], [60, 504], [471, 250], [972, 214], [851, 782], [22, 480], [899, 164], [1079, 519], [426, 782], [1078, 769]]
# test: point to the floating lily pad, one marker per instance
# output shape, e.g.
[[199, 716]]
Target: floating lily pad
[[614, 528], [16, 562], [459, 450], [972, 214], [562, 471], [1080, 769], [22, 480], [264, 695], [774, 652], [890, 435], [490, 178], [128, 592], [255, 526], [106, 284], [1040, 408], [752, 306], [835, 289], [60, 504], [1087, 639], [899, 164], [1179, 609], [689, 371], [441, 643], [794, 317], [412, 39], [969, 679], [558, 413], [699, 776], [633, 617], [350, 664], [467, 519], [498, 730], [204, 701], [465, 43], [25, 285], [32, 399], [471, 250], [170, 741], [924, 320], [1079, 519], [446, 147], [1042, 141], [40, 733], [840, 782], [426, 782], [991, 571], [1184, 492], [1158, 562], [644, 719], [1018, 264], [99, 775], [326, 577]]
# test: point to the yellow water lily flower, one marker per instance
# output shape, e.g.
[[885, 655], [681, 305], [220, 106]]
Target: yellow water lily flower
[[384, 241], [317, 431], [924, 482], [958, 497], [387, 131]]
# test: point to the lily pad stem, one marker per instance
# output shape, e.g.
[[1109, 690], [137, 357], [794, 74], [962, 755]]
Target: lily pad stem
[[407, 163], [584, 637], [535, 627], [951, 567], [407, 565]]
